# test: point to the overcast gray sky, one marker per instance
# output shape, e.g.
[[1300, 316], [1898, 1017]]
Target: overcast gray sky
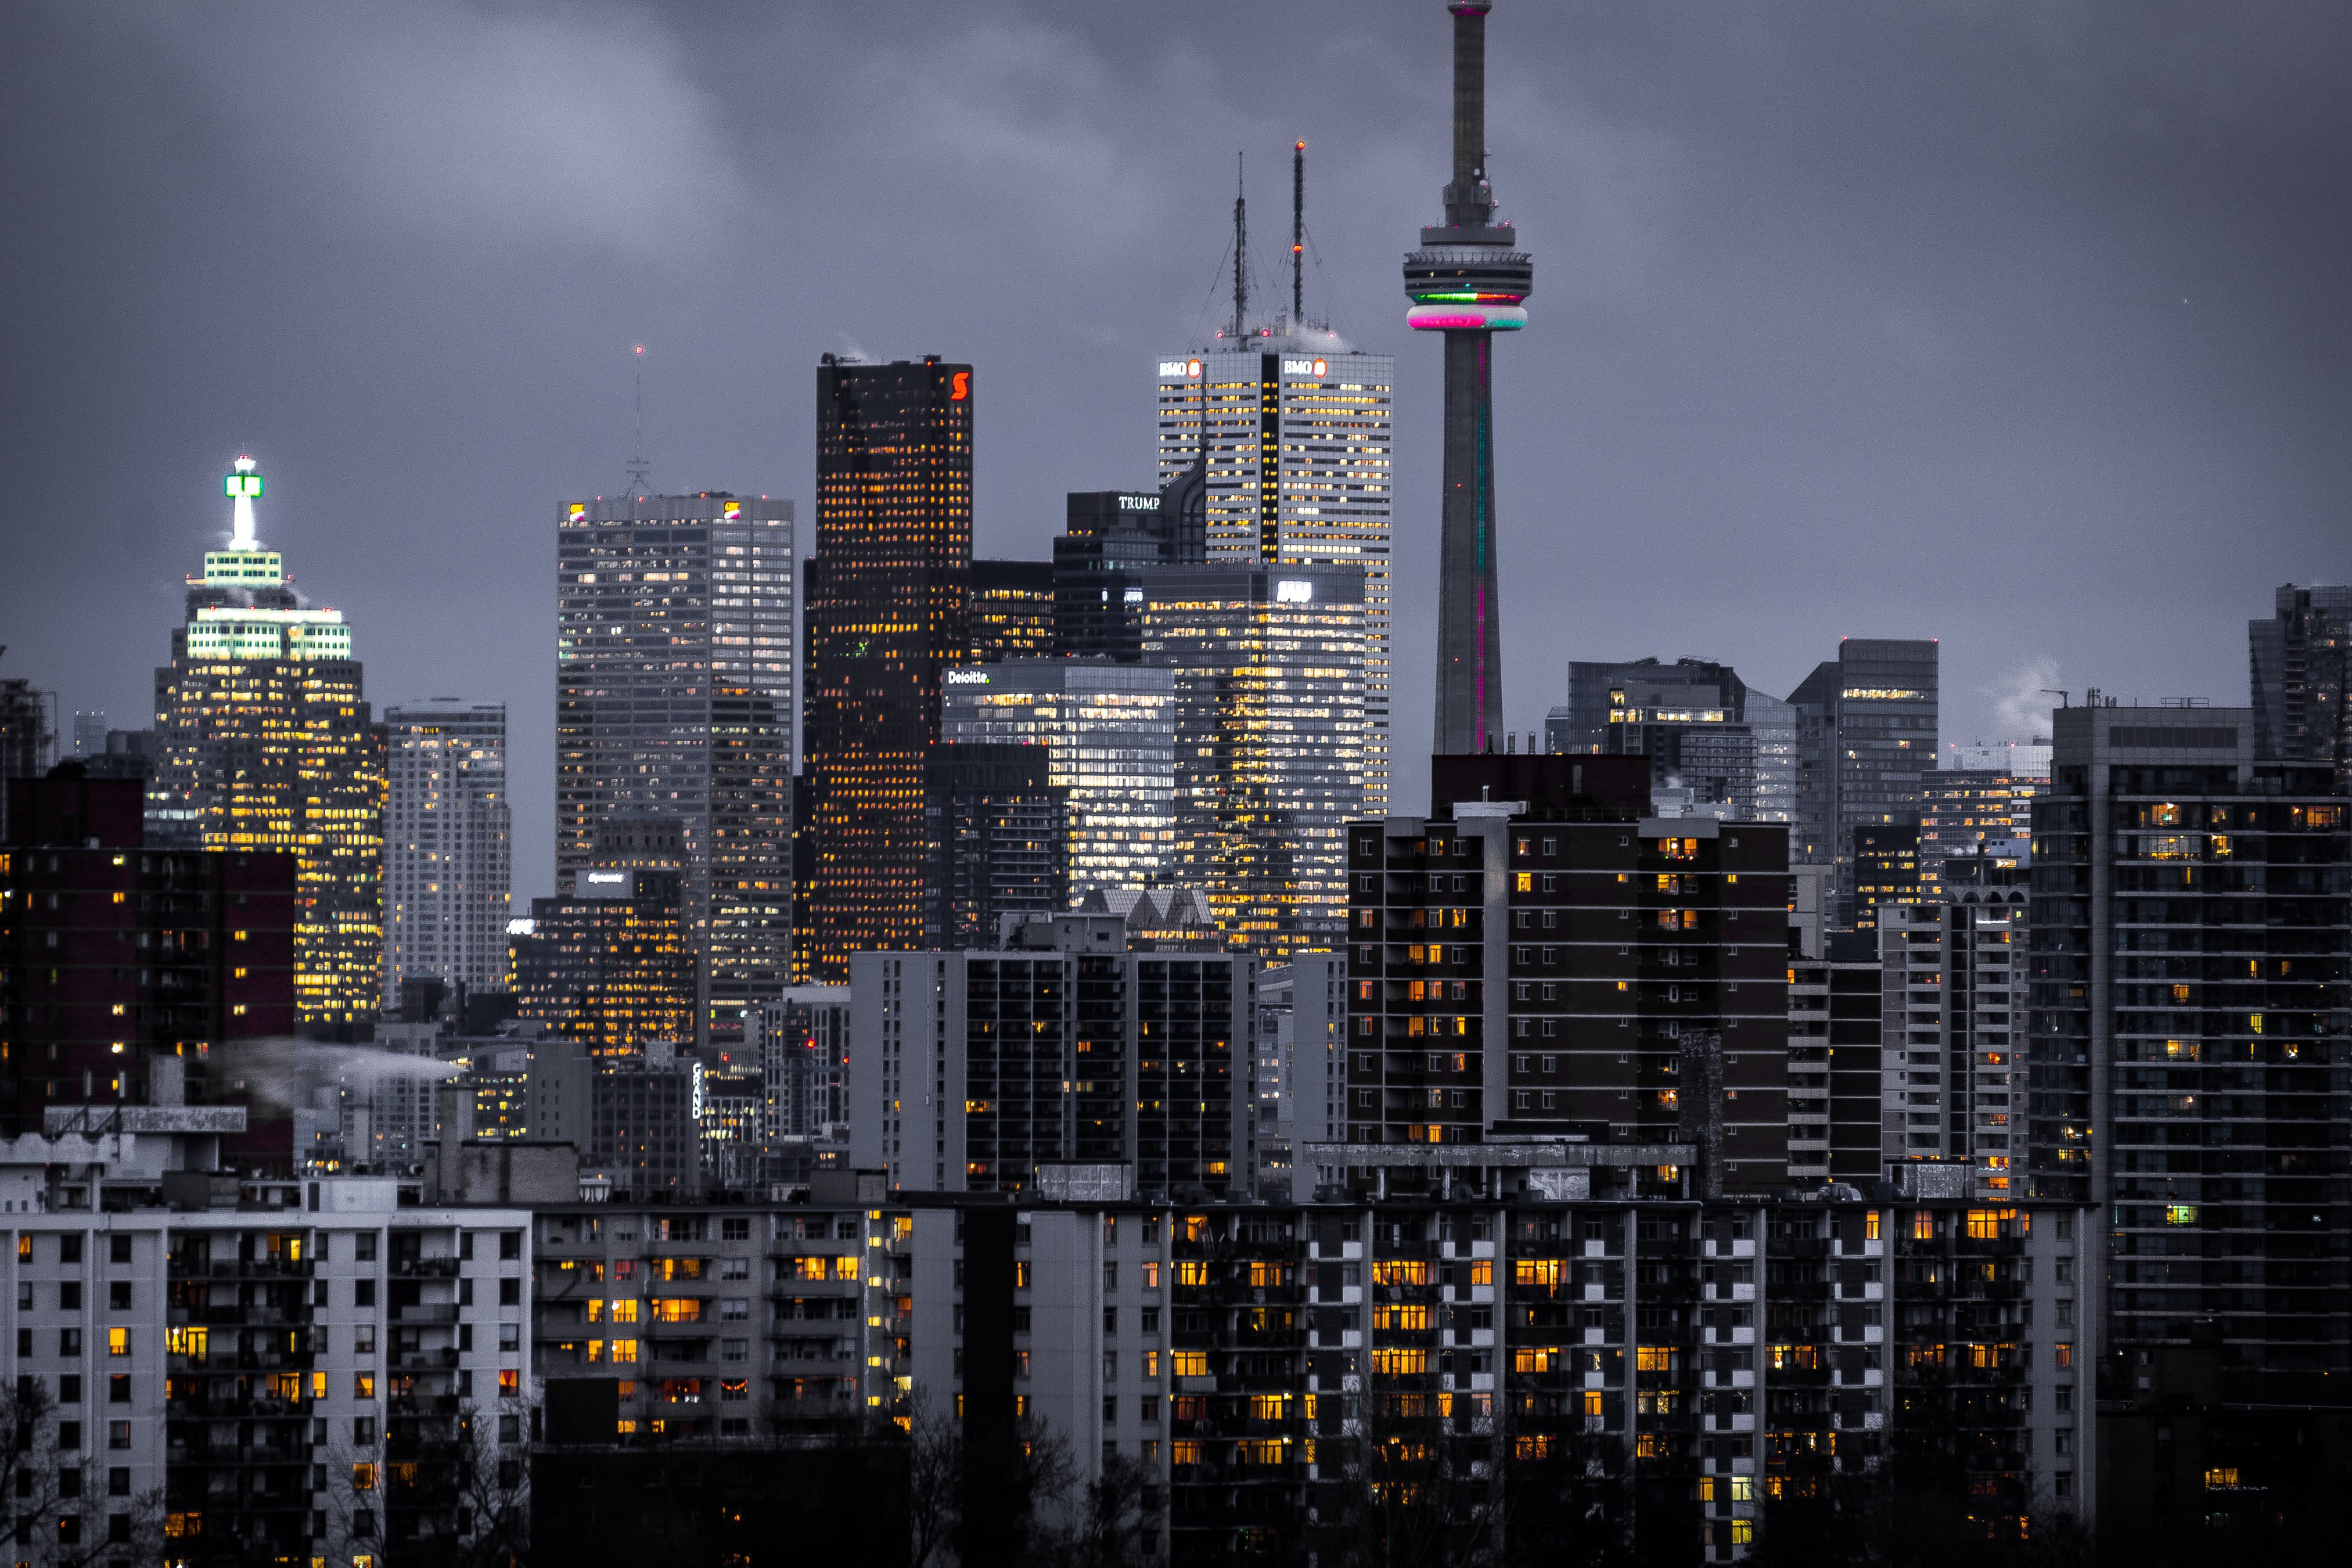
[[2020, 325]]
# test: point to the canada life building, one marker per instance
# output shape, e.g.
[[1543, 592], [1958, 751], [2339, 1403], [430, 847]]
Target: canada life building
[[264, 741], [1296, 427]]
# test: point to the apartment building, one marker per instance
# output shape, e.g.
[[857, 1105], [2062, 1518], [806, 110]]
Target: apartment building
[[257, 1370], [1543, 959], [692, 1322], [974, 1069], [1718, 1359]]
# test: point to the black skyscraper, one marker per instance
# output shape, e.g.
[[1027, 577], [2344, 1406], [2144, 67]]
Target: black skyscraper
[[2302, 661], [999, 839], [888, 612], [1113, 538], [1012, 610]]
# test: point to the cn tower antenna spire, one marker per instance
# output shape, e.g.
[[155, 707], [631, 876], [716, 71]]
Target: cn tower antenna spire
[[1468, 281]]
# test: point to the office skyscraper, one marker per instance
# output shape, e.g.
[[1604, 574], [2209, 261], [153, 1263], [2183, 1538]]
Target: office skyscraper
[[1109, 735], [264, 741], [1269, 735], [2189, 1040], [1702, 727], [1000, 841], [1468, 281], [447, 847], [1975, 812], [1012, 610], [1113, 540], [1276, 435], [890, 614], [674, 693], [1865, 739], [2302, 660], [27, 732], [1885, 870], [611, 965]]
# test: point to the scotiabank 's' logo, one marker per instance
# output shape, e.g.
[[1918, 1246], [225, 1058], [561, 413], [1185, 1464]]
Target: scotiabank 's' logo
[[960, 386]]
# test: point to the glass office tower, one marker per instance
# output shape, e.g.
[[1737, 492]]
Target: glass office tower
[[1865, 740], [674, 694], [1110, 734], [1270, 737], [1296, 430]]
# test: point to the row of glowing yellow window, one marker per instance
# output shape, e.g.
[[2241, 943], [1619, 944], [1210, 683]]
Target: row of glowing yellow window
[[291, 1387]]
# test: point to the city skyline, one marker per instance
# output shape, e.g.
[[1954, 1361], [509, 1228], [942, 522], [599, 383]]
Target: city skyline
[[1865, 411], [931, 949]]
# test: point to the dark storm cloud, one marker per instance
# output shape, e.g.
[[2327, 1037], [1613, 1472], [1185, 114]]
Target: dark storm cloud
[[2021, 326]]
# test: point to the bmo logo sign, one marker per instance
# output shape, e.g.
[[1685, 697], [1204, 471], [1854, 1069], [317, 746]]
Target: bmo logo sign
[[1317, 368], [1180, 370]]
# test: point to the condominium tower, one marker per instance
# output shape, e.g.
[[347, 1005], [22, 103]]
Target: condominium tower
[[890, 614], [673, 699], [447, 847], [2189, 1019], [2302, 660]]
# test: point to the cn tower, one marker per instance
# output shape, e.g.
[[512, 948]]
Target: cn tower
[[1468, 281]]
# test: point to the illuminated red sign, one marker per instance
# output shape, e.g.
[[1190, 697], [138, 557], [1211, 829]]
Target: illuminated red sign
[[960, 386]]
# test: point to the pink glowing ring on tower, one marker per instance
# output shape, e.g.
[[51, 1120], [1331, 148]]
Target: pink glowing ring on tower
[[1467, 318]]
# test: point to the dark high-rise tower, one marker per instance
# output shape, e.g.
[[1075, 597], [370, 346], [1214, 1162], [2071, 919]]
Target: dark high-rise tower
[[1468, 281], [2302, 672], [888, 612]]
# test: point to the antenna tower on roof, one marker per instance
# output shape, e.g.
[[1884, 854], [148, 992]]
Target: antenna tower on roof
[[1241, 250], [639, 464], [1297, 236]]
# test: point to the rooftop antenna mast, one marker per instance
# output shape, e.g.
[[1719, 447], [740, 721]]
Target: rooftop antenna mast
[[638, 465], [1241, 249], [1297, 236]]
